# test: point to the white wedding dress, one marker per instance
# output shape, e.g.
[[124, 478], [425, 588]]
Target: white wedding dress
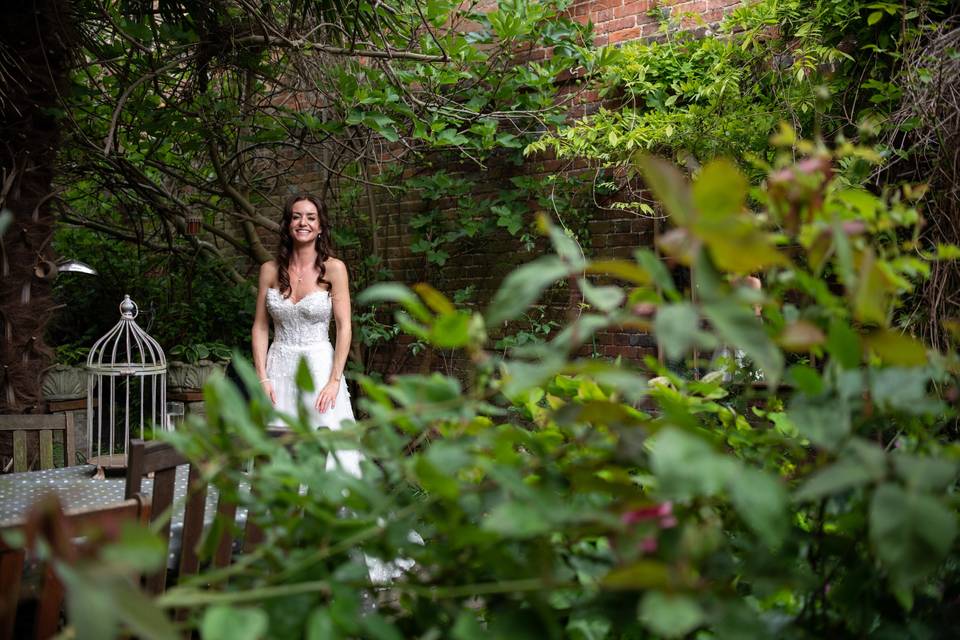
[[300, 331]]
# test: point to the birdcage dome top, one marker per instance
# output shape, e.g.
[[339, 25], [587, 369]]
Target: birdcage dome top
[[126, 350]]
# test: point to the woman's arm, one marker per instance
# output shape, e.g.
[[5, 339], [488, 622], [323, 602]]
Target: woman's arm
[[260, 334], [340, 294]]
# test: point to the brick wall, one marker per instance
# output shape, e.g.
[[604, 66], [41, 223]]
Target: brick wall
[[612, 233]]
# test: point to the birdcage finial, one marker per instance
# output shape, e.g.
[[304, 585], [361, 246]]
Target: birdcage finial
[[128, 308]]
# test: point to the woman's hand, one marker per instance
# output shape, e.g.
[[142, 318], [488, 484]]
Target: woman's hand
[[268, 389], [328, 397]]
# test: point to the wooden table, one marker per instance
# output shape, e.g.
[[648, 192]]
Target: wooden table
[[79, 488]]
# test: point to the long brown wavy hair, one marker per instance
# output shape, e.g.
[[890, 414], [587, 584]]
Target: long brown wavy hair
[[324, 242]]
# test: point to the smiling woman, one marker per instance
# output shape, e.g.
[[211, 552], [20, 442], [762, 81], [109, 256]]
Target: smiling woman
[[301, 291]]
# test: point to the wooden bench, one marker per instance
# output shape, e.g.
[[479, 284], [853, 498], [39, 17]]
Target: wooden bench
[[44, 426], [70, 537], [162, 460]]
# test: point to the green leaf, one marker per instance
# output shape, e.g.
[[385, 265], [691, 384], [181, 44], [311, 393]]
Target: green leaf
[[670, 187], [320, 626], [720, 191], [737, 325], [467, 627], [90, 606], [378, 628], [925, 472], [604, 298], [871, 295], [643, 574], [861, 463], [676, 328], [904, 389], [304, 378], [223, 622], [670, 615], [843, 344], [515, 519], [825, 421], [896, 348], [451, 331], [622, 269], [687, 466], [653, 265], [140, 614], [874, 17], [761, 500], [911, 532], [523, 287], [395, 292], [138, 549], [434, 299], [806, 379]]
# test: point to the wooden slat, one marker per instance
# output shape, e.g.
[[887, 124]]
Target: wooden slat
[[227, 512], [192, 522], [31, 421], [48, 610], [46, 449], [11, 571], [19, 451], [69, 441], [192, 531], [163, 485], [161, 455], [134, 480], [67, 405]]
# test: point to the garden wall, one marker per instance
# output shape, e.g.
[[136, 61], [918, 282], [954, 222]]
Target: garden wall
[[609, 232]]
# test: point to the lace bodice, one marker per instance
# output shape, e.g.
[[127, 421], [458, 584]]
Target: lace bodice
[[302, 323]]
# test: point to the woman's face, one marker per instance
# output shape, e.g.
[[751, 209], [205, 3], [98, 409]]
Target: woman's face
[[304, 223]]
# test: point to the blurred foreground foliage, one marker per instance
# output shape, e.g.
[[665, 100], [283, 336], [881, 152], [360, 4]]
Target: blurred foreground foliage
[[559, 497]]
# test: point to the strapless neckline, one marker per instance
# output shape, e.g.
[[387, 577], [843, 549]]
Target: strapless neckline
[[290, 300]]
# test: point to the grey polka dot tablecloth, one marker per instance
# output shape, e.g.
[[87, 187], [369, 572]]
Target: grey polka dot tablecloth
[[80, 488]]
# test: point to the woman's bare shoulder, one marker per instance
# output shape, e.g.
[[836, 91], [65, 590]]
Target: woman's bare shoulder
[[269, 273], [335, 265]]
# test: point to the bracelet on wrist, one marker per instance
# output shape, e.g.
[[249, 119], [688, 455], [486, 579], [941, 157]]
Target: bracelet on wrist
[[264, 379]]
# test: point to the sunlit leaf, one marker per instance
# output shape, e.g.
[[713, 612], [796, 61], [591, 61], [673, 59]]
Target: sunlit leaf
[[434, 299], [896, 348], [720, 191], [670, 187]]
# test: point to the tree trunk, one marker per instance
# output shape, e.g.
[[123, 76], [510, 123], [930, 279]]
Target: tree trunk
[[34, 37]]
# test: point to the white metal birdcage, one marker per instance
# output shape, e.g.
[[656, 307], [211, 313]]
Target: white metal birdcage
[[126, 389]]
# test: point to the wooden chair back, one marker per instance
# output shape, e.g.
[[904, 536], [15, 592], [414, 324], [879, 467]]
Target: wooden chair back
[[43, 425], [70, 537], [162, 460]]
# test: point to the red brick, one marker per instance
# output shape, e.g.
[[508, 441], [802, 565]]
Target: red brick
[[634, 8], [626, 34], [599, 5], [611, 26]]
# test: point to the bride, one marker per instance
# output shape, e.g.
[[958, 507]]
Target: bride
[[300, 291]]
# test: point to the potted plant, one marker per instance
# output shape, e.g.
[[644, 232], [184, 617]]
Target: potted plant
[[194, 364]]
